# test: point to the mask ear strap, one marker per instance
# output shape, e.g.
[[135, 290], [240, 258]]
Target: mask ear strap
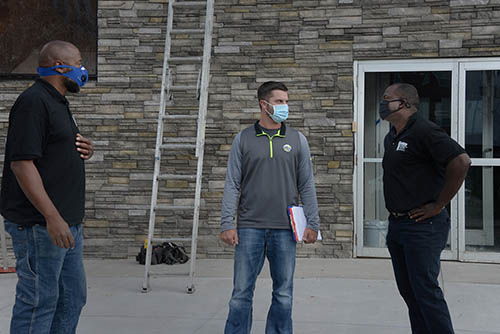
[[405, 103], [266, 107], [46, 71]]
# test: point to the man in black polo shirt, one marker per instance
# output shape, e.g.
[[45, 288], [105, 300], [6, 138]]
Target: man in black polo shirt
[[423, 170], [43, 196]]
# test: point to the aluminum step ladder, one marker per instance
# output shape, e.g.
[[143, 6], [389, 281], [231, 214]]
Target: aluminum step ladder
[[172, 83]]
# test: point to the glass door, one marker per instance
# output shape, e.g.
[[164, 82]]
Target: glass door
[[434, 84], [463, 97], [480, 115]]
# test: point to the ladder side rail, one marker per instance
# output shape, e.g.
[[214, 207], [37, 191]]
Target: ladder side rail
[[205, 77], [159, 139], [166, 76]]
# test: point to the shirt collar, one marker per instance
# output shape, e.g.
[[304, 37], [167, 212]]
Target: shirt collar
[[413, 118], [52, 91], [259, 129]]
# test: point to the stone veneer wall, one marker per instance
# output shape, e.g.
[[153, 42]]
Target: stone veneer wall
[[309, 45]]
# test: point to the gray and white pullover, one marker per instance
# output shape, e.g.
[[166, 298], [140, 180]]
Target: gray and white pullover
[[267, 173]]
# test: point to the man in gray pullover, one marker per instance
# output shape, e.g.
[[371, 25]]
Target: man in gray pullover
[[269, 167]]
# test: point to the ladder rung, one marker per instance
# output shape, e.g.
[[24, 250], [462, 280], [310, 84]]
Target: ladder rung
[[181, 116], [188, 140], [190, 3], [182, 88], [174, 207], [178, 146], [185, 59], [179, 73], [187, 31], [176, 177], [170, 239]]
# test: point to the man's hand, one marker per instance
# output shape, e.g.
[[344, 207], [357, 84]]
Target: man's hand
[[425, 211], [59, 233], [84, 146], [310, 236], [230, 237]]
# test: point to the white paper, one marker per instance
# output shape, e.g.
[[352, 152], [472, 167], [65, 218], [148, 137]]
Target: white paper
[[298, 221]]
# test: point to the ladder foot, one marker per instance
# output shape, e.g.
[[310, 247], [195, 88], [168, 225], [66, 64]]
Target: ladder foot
[[190, 290], [146, 290]]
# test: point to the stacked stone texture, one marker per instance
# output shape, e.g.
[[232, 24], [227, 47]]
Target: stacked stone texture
[[308, 44]]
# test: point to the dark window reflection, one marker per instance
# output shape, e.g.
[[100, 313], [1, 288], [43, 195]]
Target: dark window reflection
[[482, 209], [482, 140], [434, 90], [26, 25], [482, 118]]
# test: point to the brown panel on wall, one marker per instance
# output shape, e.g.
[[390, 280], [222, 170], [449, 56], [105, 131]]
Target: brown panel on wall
[[26, 25]]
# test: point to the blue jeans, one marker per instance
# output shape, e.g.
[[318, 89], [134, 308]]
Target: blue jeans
[[253, 246], [51, 289], [415, 249]]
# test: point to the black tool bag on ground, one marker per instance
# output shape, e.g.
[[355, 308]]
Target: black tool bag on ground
[[156, 255], [168, 253], [172, 253]]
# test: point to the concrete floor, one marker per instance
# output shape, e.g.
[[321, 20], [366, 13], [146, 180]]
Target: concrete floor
[[346, 296]]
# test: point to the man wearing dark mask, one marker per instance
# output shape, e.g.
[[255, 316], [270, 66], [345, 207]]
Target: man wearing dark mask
[[43, 196], [423, 169], [269, 167]]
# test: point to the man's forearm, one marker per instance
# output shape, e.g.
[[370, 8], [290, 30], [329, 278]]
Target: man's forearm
[[31, 184], [306, 185], [456, 170], [310, 204], [229, 199], [232, 186]]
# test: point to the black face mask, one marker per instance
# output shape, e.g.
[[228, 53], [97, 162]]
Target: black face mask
[[384, 110]]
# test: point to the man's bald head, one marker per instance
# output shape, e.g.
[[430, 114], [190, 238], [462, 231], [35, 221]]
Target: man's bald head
[[62, 57], [58, 51], [408, 93]]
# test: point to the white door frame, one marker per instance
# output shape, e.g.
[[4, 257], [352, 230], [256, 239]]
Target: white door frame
[[484, 64], [457, 67]]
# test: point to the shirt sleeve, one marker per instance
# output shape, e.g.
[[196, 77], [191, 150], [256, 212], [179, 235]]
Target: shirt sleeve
[[232, 186], [442, 147], [27, 132], [306, 185]]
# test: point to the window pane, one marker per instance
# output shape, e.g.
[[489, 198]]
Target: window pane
[[482, 209], [482, 118], [434, 89], [375, 215], [43, 21]]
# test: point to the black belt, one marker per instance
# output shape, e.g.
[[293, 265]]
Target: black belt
[[398, 214]]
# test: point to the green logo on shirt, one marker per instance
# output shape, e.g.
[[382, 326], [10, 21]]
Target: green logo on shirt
[[287, 148]]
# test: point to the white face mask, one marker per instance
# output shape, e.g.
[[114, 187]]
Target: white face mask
[[280, 112]]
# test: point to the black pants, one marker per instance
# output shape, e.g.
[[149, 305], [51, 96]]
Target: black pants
[[415, 252]]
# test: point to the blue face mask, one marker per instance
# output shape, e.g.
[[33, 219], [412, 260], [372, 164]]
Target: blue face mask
[[280, 112], [77, 74]]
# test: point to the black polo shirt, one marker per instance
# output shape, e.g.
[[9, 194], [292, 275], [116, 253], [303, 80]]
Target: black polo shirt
[[415, 163], [42, 129]]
